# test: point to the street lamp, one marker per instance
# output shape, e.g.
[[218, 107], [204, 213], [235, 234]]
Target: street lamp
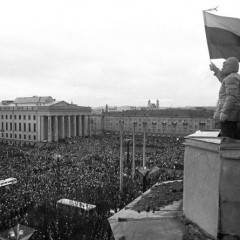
[[144, 143], [121, 122], [133, 157], [57, 158], [127, 141]]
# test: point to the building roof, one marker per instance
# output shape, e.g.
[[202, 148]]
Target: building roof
[[169, 112], [166, 221], [33, 100]]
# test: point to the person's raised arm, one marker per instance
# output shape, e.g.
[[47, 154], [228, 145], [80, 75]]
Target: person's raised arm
[[217, 71]]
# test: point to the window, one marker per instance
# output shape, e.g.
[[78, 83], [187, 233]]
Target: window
[[15, 135], [1, 116], [24, 117], [24, 127], [34, 127], [34, 117], [2, 126], [10, 116], [15, 117], [29, 127], [6, 116], [19, 126], [19, 117], [10, 135], [29, 117], [20, 136], [2, 134], [34, 137], [29, 137], [15, 126], [7, 135], [24, 136], [6, 126]]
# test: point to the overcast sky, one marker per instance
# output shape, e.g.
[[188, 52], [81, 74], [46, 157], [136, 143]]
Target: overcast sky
[[115, 52]]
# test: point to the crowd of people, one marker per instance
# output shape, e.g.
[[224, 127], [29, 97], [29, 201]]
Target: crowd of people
[[81, 169]]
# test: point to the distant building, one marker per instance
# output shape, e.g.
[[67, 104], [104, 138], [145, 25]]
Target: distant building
[[97, 123], [31, 120], [153, 106], [178, 121]]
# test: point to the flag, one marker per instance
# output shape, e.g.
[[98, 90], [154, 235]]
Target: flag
[[223, 36]]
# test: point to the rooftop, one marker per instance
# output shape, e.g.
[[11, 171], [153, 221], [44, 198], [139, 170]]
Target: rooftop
[[156, 214], [33, 100], [169, 112]]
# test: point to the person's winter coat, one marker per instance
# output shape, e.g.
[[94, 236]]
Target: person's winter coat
[[229, 93]]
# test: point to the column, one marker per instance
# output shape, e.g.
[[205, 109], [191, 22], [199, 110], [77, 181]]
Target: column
[[86, 125], [38, 128], [56, 128], [80, 126], [49, 129], [83, 125], [63, 127], [42, 137], [74, 125], [69, 126], [90, 126]]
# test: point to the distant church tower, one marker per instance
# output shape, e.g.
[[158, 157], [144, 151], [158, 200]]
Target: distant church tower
[[149, 103], [157, 104]]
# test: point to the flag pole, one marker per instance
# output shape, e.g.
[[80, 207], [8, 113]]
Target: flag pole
[[121, 155]]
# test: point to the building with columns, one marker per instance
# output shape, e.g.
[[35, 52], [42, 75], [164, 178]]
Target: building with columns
[[33, 120]]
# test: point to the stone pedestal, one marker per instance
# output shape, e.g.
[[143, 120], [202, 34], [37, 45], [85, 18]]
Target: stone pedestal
[[211, 196]]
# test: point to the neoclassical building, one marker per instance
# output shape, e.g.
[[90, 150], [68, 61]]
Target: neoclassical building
[[33, 120]]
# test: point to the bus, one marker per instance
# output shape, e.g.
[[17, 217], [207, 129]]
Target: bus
[[8, 181], [67, 206]]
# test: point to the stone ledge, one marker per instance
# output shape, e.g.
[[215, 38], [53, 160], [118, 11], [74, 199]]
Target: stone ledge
[[167, 223]]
